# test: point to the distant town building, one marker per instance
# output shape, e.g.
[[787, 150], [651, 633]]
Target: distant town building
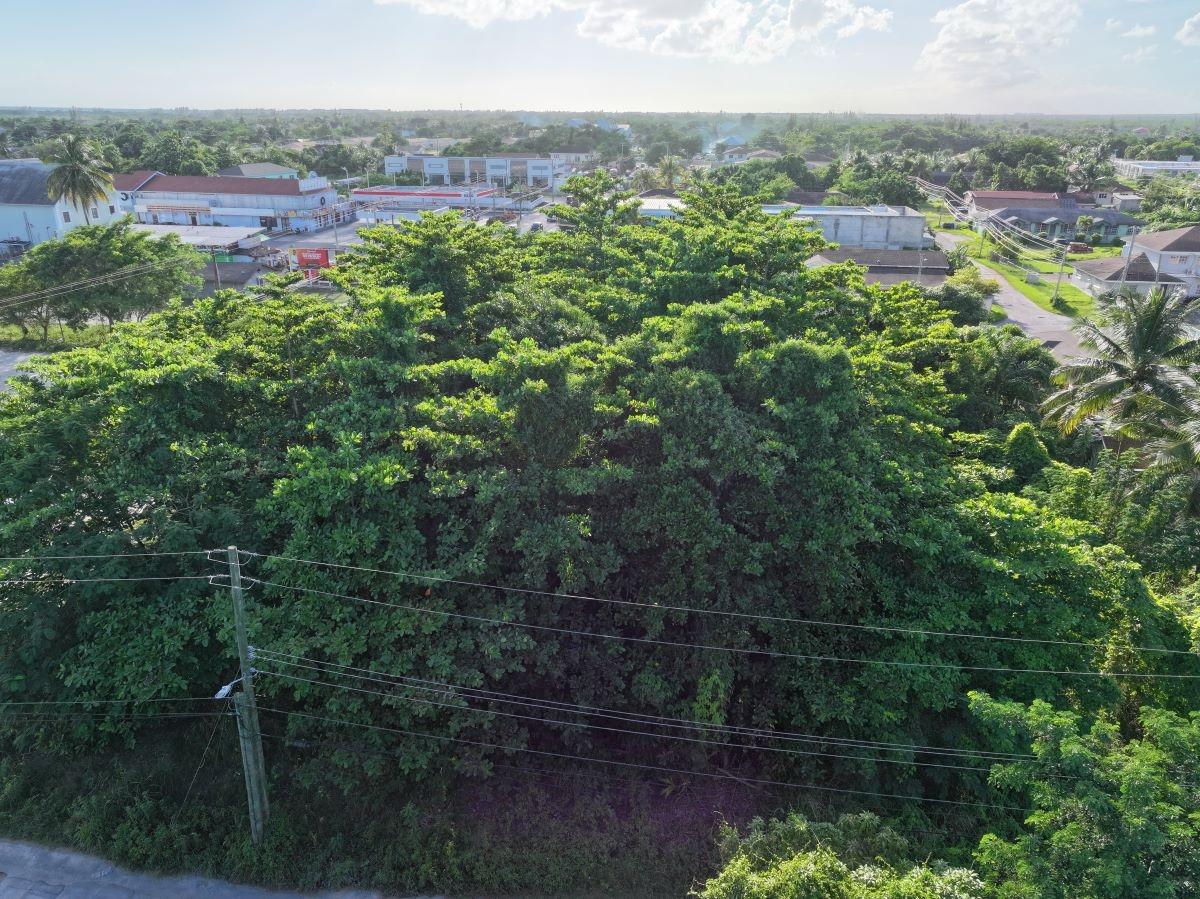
[[29, 216], [259, 170], [735, 155], [929, 268], [574, 157], [406, 197], [298, 204], [1138, 168], [500, 169]]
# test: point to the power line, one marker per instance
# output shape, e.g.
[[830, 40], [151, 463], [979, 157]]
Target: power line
[[690, 609], [730, 649], [621, 730], [61, 581], [86, 283], [190, 552], [633, 717], [644, 767], [44, 702]]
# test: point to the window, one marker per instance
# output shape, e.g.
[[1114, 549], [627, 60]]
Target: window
[[1180, 260], [66, 217], [112, 210], [95, 213]]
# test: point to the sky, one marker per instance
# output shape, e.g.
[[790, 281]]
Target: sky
[[898, 56]]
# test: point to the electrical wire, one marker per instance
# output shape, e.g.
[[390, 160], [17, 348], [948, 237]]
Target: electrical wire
[[41, 702], [632, 717], [640, 766], [190, 552], [621, 730], [48, 293], [780, 619], [61, 581], [729, 649]]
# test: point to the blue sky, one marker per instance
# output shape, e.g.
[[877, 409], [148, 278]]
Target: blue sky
[[967, 56]]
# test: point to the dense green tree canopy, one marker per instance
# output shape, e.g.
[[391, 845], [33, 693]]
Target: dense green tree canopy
[[668, 431]]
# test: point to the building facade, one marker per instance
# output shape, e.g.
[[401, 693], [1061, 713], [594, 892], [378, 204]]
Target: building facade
[[29, 216], [1138, 168], [277, 204], [873, 227], [1168, 259], [499, 170]]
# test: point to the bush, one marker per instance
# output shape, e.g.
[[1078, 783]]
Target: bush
[[1024, 452]]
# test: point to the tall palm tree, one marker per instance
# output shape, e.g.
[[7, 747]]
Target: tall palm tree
[[1142, 369], [81, 177]]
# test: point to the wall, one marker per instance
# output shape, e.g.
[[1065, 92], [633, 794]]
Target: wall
[[876, 232], [45, 222]]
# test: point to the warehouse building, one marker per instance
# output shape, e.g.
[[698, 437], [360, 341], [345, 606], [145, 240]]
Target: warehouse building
[[277, 204]]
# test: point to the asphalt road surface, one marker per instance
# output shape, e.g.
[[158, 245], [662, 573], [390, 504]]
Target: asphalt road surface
[[1050, 328], [34, 872], [9, 361]]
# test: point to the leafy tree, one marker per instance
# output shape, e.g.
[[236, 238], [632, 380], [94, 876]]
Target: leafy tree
[[1114, 813], [1139, 368], [1024, 452], [81, 176], [855, 858]]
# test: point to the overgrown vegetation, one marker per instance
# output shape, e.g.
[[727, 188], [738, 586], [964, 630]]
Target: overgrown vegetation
[[759, 531]]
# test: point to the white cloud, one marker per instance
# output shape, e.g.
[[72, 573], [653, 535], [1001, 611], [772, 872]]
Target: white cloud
[[1140, 31], [993, 43], [734, 30], [1113, 25], [1189, 33], [1141, 54]]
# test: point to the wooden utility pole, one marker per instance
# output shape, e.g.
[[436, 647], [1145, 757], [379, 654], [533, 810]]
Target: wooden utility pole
[[249, 736]]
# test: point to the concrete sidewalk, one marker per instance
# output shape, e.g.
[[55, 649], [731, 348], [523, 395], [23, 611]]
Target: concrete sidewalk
[[28, 871]]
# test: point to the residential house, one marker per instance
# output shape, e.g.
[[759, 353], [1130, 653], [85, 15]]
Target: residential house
[[1062, 223], [29, 216], [739, 154], [981, 202], [1159, 258]]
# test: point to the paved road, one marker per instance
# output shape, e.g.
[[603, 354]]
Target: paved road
[[33, 872], [1050, 328], [9, 361]]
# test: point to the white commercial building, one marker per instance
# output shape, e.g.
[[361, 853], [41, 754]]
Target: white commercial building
[[873, 227], [298, 204], [1137, 168], [501, 170], [29, 216]]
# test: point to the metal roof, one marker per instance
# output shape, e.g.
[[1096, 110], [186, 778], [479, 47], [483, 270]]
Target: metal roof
[[24, 183]]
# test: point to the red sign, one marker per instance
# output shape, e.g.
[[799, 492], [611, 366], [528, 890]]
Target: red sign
[[312, 258]]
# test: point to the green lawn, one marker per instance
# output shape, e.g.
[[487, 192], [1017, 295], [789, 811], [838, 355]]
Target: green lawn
[[1071, 300], [59, 338]]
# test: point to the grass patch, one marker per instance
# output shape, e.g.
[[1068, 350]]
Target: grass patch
[[1071, 300], [58, 338]]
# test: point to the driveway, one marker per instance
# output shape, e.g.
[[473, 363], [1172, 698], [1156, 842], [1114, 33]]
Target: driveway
[[1050, 328], [9, 360], [28, 871]]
